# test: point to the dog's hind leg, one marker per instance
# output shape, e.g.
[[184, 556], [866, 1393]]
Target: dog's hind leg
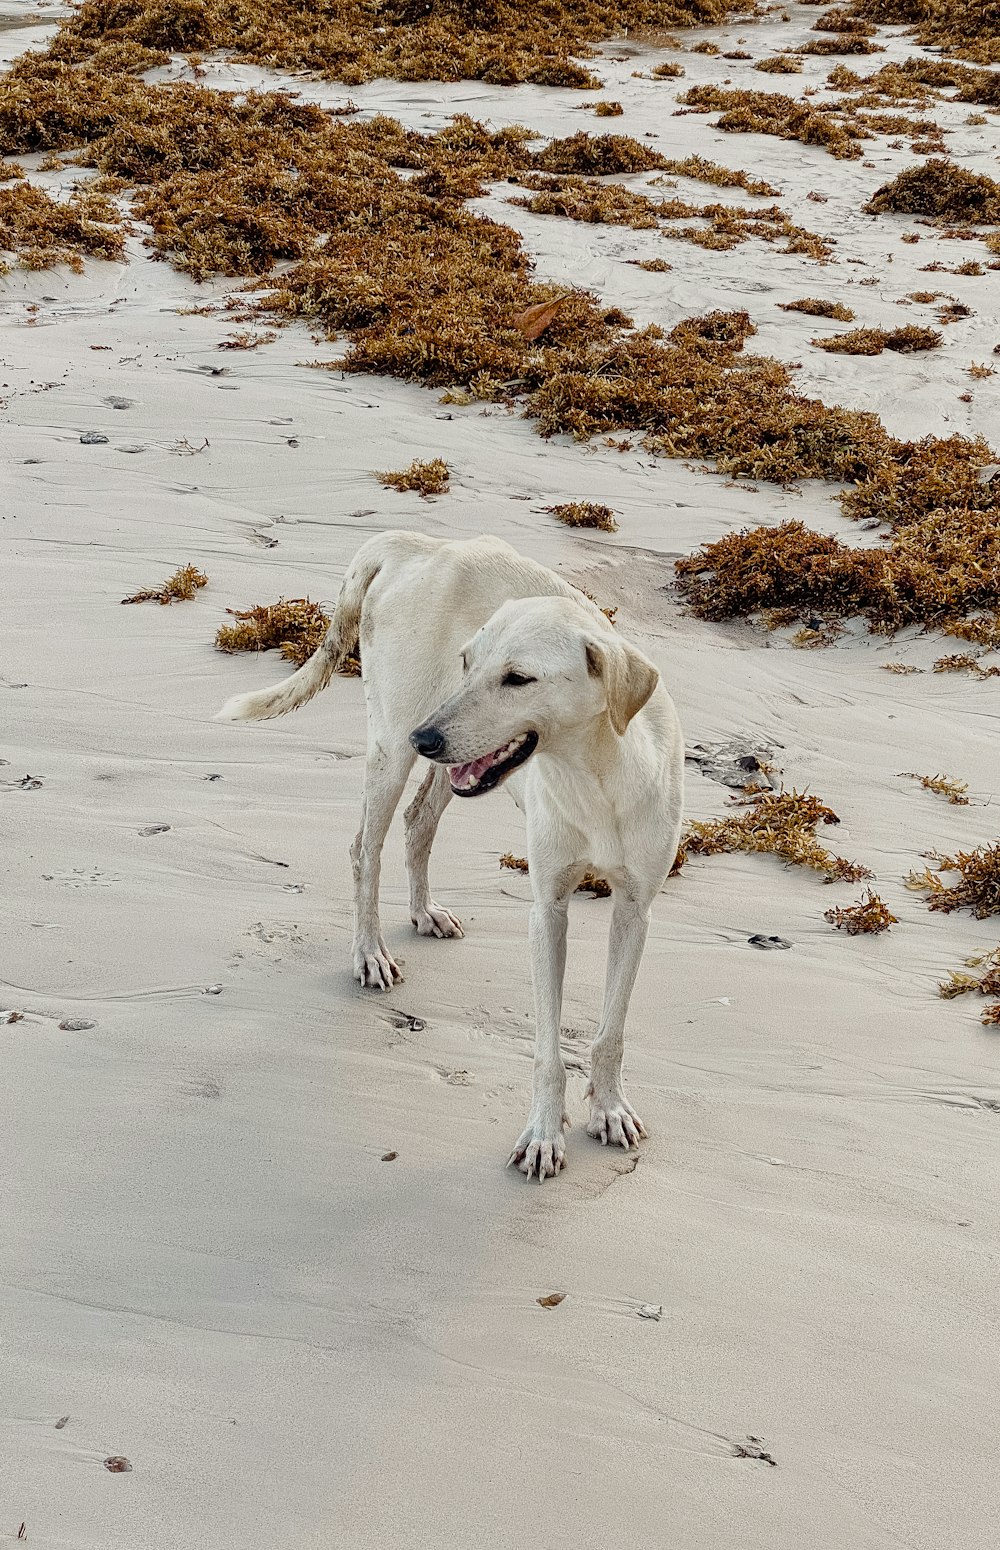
[[612, 1117], [386, 771], [421, 820]]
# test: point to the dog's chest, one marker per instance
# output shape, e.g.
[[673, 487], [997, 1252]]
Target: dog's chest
[[579, 823]]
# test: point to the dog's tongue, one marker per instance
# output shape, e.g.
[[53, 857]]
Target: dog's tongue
[[467, 774]]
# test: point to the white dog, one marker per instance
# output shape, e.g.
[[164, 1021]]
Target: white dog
[[508, 674]]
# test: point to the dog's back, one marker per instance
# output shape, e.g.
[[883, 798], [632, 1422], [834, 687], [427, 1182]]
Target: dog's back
[[427, 599], [412, 601]]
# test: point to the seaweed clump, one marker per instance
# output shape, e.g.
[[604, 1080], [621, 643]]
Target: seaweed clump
[[779, 64], [246, 340], [869, 916], [965, 662], [987, 981], [944, 786], [983, 630], [872, 341], [610, 203], [970, 28], [598, 155], [427, 479], [841, 19], [40, 231], [930, 571], [181, 587], [707, 171], [295, 625], [498, 41], [585, 514], [815, 307], [977, 890], [919, 477], [582, 199], [843, 43], [779, 824], [770, 113], [942, 191]]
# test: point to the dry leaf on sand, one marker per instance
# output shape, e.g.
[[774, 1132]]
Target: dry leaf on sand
[[533, 322]]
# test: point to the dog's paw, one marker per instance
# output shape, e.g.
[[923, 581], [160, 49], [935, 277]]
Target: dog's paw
[[436, 921], [541, 1148], [374, 968], [613, 1120]]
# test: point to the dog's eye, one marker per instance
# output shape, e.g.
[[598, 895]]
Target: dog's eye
[[517, 680]]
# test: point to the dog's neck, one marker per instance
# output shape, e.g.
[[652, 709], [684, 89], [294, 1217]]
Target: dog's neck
[[579, 767]]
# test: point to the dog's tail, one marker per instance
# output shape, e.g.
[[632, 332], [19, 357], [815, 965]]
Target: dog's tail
[[338, 643]]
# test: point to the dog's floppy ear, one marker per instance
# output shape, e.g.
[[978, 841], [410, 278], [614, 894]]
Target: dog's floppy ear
[[629, 677]]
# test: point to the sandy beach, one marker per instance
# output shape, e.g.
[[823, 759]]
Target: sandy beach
[[208, 1265]]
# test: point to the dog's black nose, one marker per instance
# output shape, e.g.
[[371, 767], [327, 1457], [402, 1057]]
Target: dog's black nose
[[430, 741]]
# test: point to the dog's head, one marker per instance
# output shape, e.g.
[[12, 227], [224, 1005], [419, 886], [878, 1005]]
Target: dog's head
[[539, 671]]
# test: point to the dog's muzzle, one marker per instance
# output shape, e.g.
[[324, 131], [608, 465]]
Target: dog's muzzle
[[483, 774]]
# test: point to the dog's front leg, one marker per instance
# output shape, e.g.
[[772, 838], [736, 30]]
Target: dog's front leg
[[612, 1117], [541, 1147], [385, 777]]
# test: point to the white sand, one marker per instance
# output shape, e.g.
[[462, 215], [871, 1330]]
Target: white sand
[[206, 1266]]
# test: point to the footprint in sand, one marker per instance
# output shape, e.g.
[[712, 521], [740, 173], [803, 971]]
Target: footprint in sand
[[82, 877], [201, 1087]]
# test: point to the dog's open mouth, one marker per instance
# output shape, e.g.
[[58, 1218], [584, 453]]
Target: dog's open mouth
[[471, 780]]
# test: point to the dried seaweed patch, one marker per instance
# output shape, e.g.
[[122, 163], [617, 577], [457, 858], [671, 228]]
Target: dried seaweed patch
[[970, 28], [295, 625], [986, 981], [497, 41], [585, 514], [247, 340], [870, 916], [770, 113], [943, 785], [815, 307], [872, 341], [431, 478], [781, 824], [707, 171], [843, 43], [941, 190], [183, 585], [932, 570], [779, 64], [41, 231], [978, 888], [965, 662]]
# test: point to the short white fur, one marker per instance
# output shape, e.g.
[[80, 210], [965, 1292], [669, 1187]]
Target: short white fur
[[442, 624]]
